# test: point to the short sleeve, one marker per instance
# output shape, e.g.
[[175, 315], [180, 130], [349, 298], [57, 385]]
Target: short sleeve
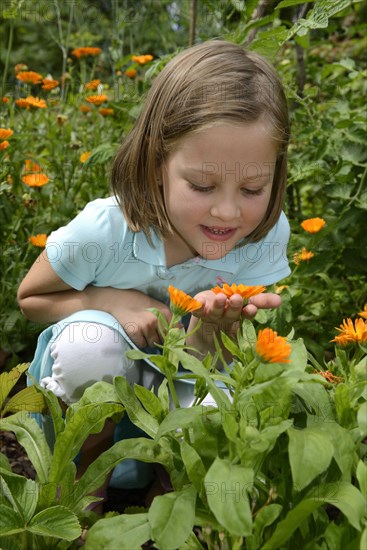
[[266, 262], [79, 251]]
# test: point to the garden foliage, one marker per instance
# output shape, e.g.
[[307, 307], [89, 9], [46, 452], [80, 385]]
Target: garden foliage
[[281, 463]]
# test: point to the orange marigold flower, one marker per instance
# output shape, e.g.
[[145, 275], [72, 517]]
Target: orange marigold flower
[[4, 145], [131, 73], [142, 59], [303, 256], [84, 157], [245, 291], [351, 333], [5, 100], [49, 84], [182, 303], [329, 376], [364, 312], [23, 103], [106, 112], [97, 99], [20, 67], [36, 102], [31, 166], [313, 225], [92, 85], [85, 108], [272, 348], [5, 133], [29, 77], [38, 240], [85, 51], [35, 180]]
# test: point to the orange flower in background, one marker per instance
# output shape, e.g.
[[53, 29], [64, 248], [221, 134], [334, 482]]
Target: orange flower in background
[[272, 348], [142, 59], [364, 312], [245, 291], [106, 112], [5, 100], [23, 103], [97, 99], [85, 108], [38, 240], [29, 77], [313, 225], [49, 84], [131, 73], [31, 166], [329, 376], [36, 102], [182, 303], [20, 67], [35, 180], [83, 52], [84, 157], [351, 333], [279, 289], [4, 145], [5, 133], [92, 85], [303, 256]]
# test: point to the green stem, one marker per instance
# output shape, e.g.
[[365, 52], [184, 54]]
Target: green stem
[[10, 45]]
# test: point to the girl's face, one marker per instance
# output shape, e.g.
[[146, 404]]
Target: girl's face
[[217, 185]]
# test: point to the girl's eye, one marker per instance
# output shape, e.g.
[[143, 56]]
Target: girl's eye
[[253, 192], [200, 188]]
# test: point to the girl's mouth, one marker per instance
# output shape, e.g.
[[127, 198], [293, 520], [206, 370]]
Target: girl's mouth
[[218, 233]]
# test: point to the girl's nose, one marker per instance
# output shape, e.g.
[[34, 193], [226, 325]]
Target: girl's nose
[[225, 209]]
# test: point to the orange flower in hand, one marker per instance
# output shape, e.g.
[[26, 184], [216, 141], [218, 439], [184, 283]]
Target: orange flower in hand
[[182, 303], [245, 291], [272, 348]]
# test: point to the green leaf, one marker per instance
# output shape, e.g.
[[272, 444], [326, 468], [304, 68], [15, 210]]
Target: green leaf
[[54, 409], [9, 379], [57, 522], [180, 418], [310, 453], [226, 487], [10, 521], [171, 517], [130, 530], [163, 396], [344, 496], [344, 409], [4, 463], [361, 474], [265, 517], [28, 399], [30, 435], [362, 419], [149, 401], [194, 466], [363, 542], [192, 543], [21, 492]]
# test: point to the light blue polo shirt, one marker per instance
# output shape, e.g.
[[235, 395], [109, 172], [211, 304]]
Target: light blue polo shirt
[[98, 248]]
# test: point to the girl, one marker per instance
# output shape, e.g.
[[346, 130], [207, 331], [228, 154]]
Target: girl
[[198, 185]]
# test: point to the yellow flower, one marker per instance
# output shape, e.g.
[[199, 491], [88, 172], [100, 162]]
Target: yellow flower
[[5, 133], [245, 291], [182, 303], [4, 145], [96, 99], [35, 180], [29, 77], [38, 240], [36, 102], [85, 51], [329, 376], [142, 59], [84, 157], [279, 289], [106, 112], [313, 225], [364, 312], [303, 256], [49, 84], [272, 348], [351, 333], [131, 73], [92, 85]]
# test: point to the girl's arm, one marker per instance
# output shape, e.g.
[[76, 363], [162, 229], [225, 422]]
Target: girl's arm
[[220, 313], [45, 298]]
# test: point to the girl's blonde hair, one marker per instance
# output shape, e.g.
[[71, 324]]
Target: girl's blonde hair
[[213, 82]]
